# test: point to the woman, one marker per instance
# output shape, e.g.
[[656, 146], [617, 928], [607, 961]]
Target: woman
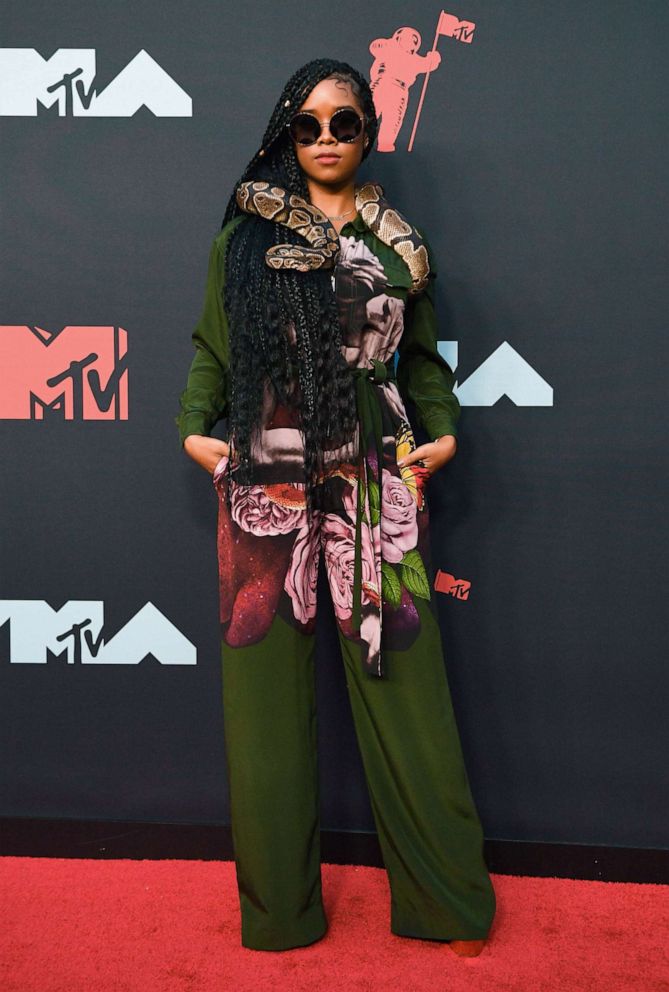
[[314, 282]]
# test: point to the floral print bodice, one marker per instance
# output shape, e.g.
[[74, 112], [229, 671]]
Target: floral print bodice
[[381, 322]]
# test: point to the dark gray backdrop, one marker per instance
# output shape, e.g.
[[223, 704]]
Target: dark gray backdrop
[[537, 172]]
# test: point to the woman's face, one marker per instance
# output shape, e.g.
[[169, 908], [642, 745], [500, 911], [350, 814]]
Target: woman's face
[[325, 98]]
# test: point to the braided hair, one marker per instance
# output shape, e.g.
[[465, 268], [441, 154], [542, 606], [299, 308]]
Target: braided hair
[[262, 302]]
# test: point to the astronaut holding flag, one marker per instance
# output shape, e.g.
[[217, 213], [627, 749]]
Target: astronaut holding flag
[[396, 65]]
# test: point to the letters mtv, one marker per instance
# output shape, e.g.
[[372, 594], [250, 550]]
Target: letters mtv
[[77, 631], [78, 373], [67, 81]]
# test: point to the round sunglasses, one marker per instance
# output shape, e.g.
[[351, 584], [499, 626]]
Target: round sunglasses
[[305, 128]]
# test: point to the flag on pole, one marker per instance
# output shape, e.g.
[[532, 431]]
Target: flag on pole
[[452, 27]]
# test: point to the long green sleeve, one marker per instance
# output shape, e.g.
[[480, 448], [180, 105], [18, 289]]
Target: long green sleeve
[[205, 399], [423, 374]]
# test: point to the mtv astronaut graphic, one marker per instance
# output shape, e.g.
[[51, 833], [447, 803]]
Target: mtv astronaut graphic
[[397, 63]]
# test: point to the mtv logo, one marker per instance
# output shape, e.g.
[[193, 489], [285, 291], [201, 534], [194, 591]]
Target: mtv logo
[[451, 26], [77, 631], [77, 373], [66, 80], [458, 588]]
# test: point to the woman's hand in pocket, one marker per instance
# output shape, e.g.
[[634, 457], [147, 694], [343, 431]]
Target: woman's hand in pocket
[[432, 455], [206, 451]]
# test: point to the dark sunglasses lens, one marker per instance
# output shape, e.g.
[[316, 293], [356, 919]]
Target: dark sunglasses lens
[[345, 125], [304, 129]]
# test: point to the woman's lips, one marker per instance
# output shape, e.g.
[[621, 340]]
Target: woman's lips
[[327, 159]]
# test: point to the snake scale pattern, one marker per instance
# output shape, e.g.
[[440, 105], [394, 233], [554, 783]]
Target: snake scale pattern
[[283, 207]]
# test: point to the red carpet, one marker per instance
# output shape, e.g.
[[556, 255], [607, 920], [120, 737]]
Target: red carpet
[[73, 925]]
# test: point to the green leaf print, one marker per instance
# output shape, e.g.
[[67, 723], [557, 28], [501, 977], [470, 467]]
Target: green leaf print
[[391, 587], [374, 502], [413, 574], [360, 483]]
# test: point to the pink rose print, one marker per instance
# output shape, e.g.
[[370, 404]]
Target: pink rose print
[[399, 526], [252, 570], [261, 514], [338, 537], [251, 577], [302, 576]]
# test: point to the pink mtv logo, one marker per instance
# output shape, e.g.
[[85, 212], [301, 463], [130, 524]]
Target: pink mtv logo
[[77, 373]]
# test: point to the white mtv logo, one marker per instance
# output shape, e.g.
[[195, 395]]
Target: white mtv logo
[[504, 373], [67, 79], [77, 628]]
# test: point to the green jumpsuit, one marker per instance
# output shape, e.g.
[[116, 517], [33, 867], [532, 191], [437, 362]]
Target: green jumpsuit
[[373, 531]]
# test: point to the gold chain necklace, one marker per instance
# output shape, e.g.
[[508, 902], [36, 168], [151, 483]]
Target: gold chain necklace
[[341, 216]]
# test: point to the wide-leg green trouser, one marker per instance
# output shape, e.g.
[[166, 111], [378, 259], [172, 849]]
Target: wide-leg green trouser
[[429, 830]]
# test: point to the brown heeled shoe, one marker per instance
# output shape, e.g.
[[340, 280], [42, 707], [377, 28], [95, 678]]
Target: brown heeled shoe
[[467, 948]]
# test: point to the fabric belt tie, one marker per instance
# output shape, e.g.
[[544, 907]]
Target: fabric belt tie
[[370, 424]]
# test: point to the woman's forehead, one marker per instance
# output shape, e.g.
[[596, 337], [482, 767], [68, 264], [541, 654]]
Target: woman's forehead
[[329, 95]]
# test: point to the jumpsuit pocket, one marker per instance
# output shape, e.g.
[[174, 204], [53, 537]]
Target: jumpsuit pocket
[[220, 470]]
